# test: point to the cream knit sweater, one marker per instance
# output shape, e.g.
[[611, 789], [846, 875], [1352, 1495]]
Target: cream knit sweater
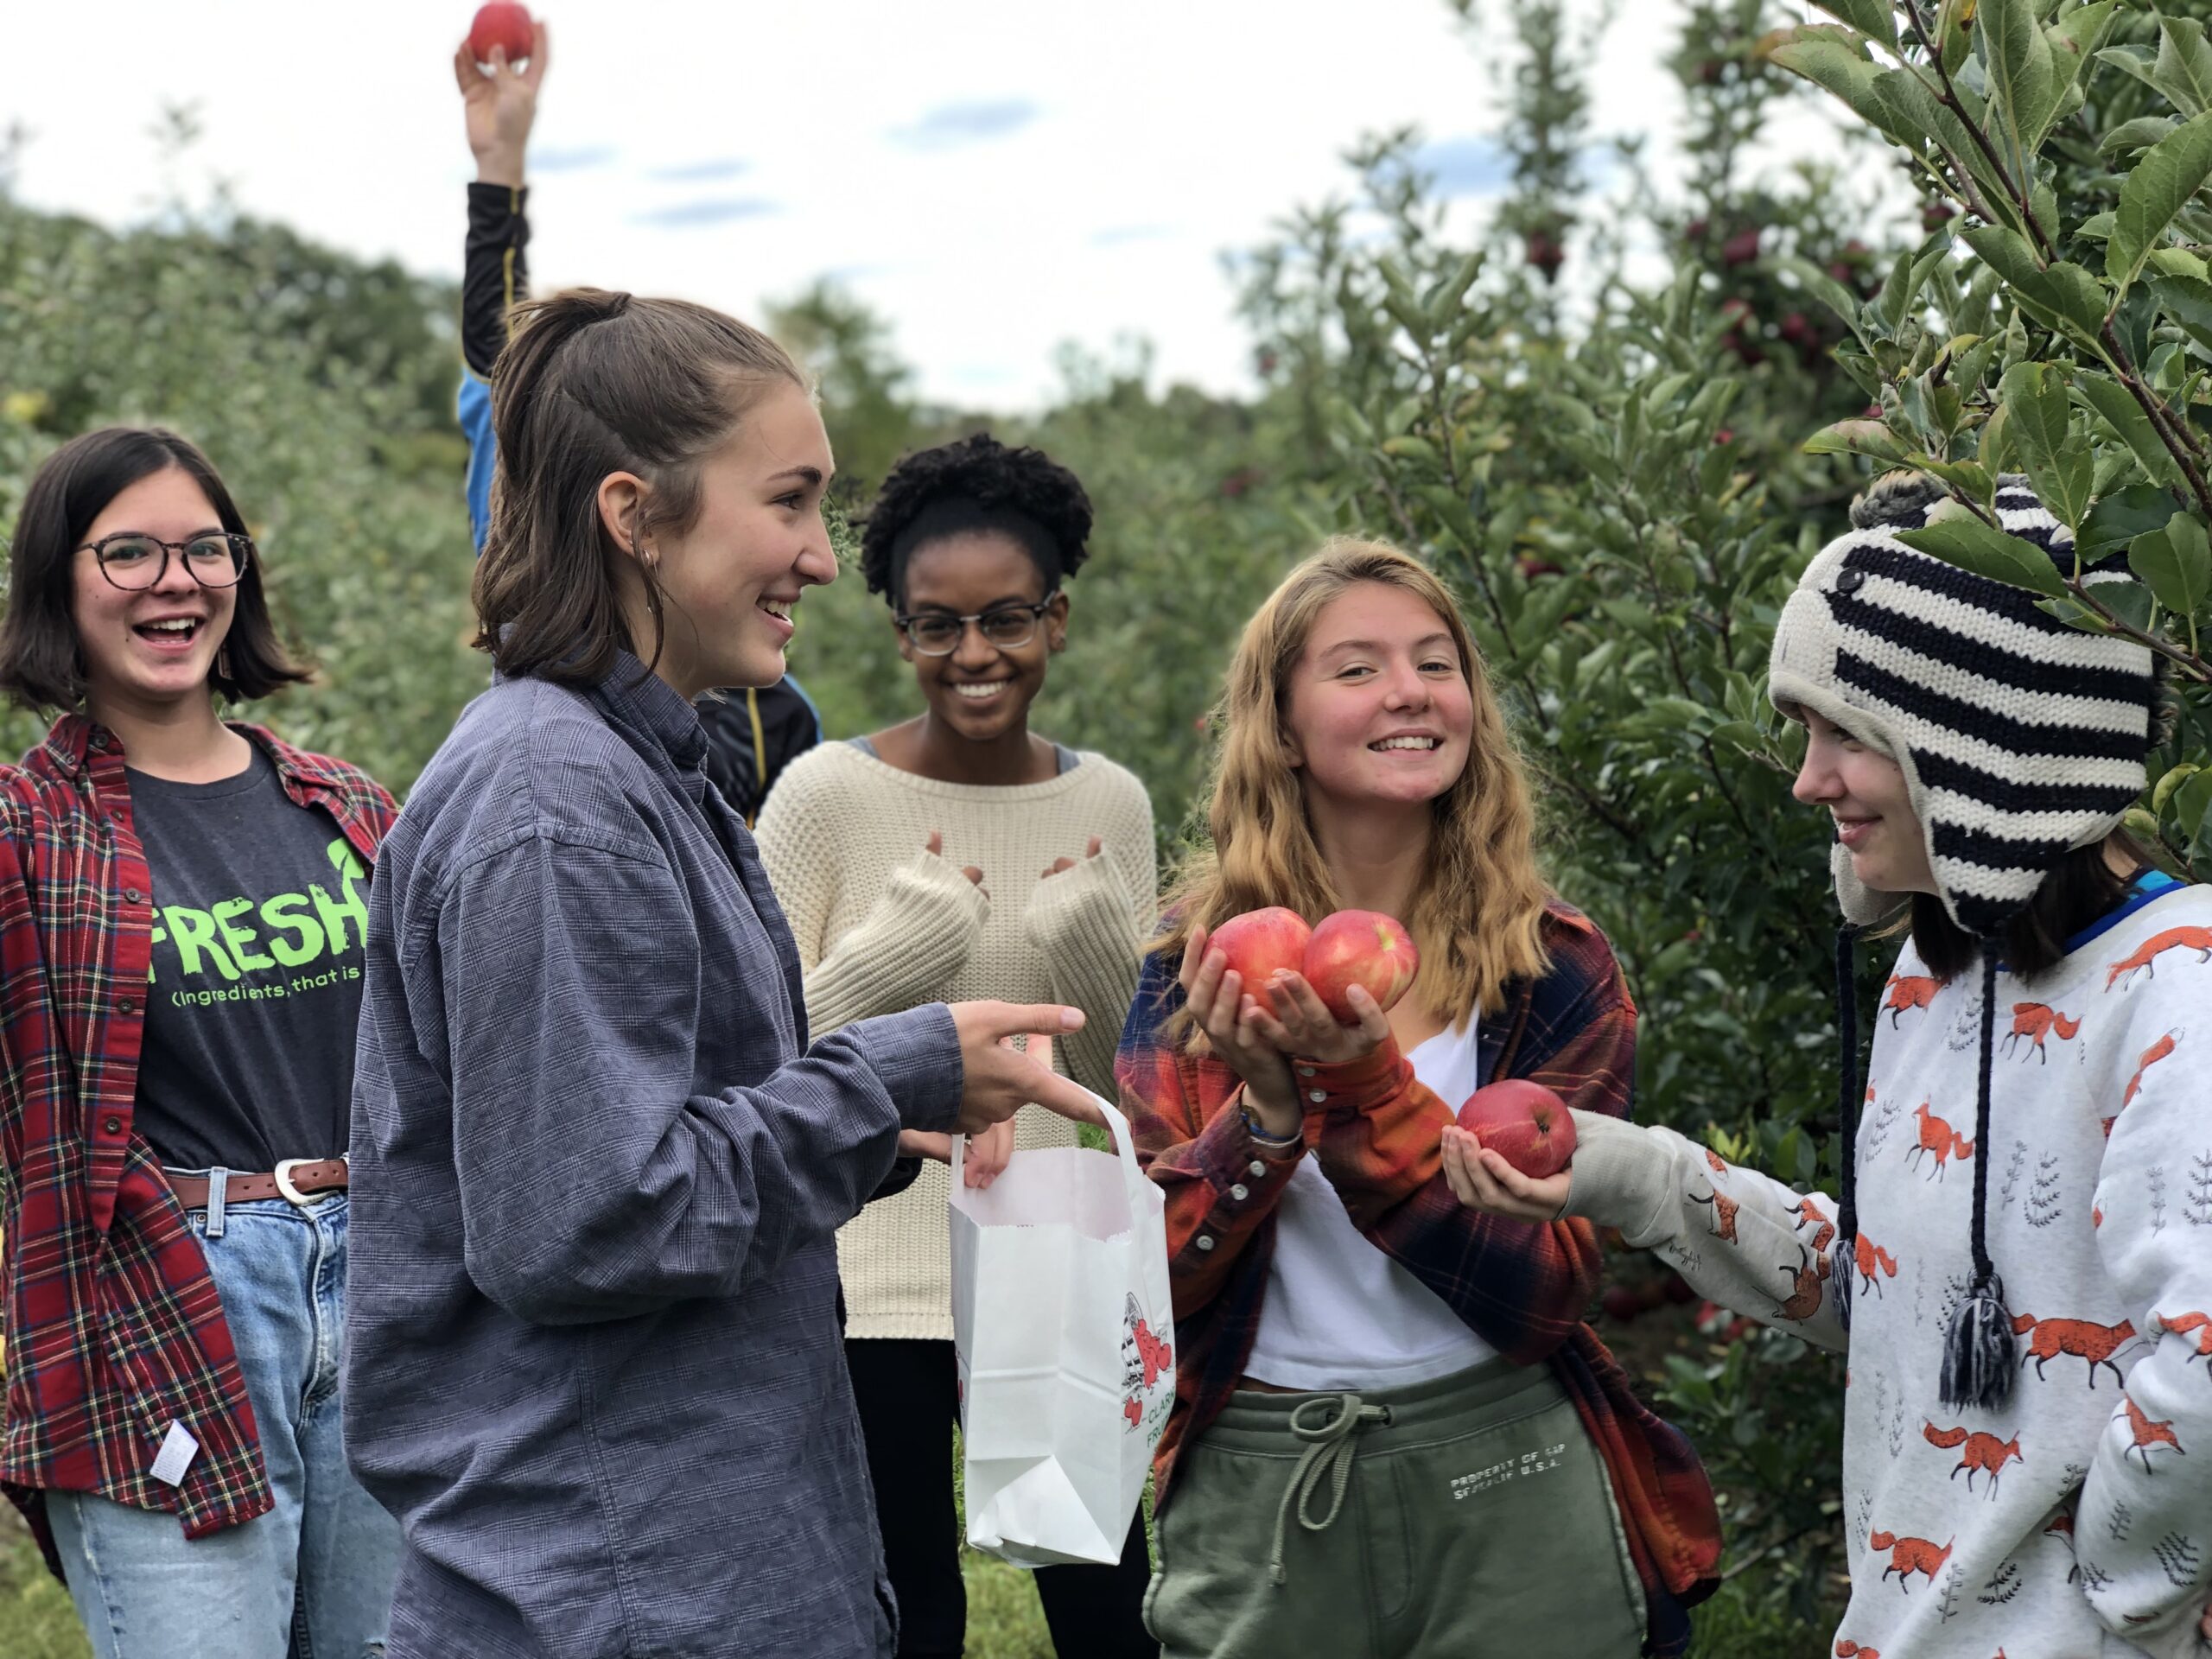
[[883, 926]]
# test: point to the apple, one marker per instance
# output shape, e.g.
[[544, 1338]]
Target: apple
[[1363, 948], [1260, 942], [502, 23], [1524, 1122], [1621, 1303]]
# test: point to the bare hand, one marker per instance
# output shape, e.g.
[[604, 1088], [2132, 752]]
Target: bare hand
[[988, 1156], [926, 1143], [1291, 1014], [934, 847], [998, 1080], [1215, 995], [1062, 866], [500, 108], [1482, 1179]]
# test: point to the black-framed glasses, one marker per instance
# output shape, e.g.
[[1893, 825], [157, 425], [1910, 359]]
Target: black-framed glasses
[[133, 562], [1009, 627]]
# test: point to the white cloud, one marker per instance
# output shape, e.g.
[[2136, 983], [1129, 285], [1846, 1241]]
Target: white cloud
[[998, 177]]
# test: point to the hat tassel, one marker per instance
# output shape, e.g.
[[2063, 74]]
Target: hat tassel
[[1978, 1353]]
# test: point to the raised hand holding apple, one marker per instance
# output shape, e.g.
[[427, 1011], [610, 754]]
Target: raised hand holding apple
[[500, 106], [1291, 1014]]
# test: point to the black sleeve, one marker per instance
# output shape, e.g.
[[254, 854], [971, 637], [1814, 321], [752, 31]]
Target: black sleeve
[[904, 1171], [728, 726], [789, 726], [495, 273]]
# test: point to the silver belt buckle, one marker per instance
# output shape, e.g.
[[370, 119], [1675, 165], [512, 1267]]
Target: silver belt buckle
[[292, 1194]]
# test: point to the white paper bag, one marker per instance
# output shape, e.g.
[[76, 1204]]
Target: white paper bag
[[1064, 1333]]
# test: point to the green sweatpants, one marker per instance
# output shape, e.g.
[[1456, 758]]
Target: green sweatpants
[[1459, 1519]]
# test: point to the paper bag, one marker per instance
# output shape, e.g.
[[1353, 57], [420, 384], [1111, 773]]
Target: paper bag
[[1064, 1332]]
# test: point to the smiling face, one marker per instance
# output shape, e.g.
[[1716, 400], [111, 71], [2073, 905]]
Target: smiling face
[[1379, 711], [759, 542], [1865, 792], [980, 691], [148, 650]]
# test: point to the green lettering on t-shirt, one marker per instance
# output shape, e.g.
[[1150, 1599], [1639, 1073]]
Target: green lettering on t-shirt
[[241, 940], [287, 910], [193, 932], [333, 914]]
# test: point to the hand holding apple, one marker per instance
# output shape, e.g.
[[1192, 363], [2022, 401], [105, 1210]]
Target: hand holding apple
[[1261, 943], [1524, 1122], [1291, 1014], [1482, 1179], [500, 108], [1214, 993]]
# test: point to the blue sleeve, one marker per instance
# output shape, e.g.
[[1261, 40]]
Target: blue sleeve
[[474, 408]]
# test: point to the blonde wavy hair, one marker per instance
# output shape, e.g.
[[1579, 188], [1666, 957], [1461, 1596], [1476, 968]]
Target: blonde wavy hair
[[1478, 919]]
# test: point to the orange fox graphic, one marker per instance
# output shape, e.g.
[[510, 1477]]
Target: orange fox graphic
[[1719, 1164], [1809, 1215], [2198, 939], [1909, 991], [1909, 1556], [1985, 1455], [1723, 1215], [1939, 1137], [2182, 1324], [2033, 1021], [2148, 1434], [2150, 1057], [1804, 1299], [2095, 1343], [1872, 1259], [1847, 1649]]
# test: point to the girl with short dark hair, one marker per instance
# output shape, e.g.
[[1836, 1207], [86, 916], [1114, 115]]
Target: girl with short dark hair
[[182, 911]]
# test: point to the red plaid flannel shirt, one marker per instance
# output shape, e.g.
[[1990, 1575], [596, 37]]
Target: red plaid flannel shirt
[[112, 1326], [1520, 1286]]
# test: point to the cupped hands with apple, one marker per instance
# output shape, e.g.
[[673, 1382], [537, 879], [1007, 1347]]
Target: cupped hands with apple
[[1509, 1152], [1258, 1011]]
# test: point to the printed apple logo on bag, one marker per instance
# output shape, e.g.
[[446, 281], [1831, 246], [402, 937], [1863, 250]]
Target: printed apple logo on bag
[[1148, 1373]]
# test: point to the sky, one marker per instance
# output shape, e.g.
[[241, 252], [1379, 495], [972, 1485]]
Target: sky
[[996, 179]]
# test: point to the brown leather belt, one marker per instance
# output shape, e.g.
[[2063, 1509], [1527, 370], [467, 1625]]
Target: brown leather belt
[[295, 1179]]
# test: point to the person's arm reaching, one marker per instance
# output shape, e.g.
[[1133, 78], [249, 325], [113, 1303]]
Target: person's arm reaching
[[499, 110]]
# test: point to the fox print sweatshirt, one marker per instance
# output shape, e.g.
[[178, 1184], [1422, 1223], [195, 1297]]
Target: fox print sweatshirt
[[2074, 1521]]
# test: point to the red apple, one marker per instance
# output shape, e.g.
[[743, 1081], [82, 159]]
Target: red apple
[[1261, 941], [502, 23], [1524, 1122], [1621, 1303], [1363, 948]]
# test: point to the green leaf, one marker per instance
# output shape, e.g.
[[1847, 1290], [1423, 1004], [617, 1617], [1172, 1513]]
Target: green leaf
[[1823, 287], [1909, 113], [2161, 182], [2064, 296], [1834, 59], [1955, 34], [2126, 417], [2076, 36], [2021, 71], [2141, 133], [1972, 545], [2186, 300], [2119, 517], [2183, 69], [2061, 471], [1877, 18], [1868, 438], [2174, 563], [2139, 62]]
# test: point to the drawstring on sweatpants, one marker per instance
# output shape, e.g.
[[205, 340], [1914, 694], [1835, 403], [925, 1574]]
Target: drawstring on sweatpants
[[1328, 1456]]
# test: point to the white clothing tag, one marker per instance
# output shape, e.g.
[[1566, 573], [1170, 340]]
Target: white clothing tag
[[178, 1450]]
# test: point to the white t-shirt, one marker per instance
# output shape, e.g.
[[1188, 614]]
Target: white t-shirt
[[1341, 1315]]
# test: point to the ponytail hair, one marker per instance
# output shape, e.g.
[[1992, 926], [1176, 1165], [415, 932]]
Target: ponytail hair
[[594, 382]]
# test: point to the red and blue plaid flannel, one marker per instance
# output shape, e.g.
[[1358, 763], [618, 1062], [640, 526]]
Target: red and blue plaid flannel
[[113, 1329], [1520, 1286]]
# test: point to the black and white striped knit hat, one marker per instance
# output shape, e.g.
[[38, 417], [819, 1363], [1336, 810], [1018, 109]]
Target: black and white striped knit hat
[[2020, 739]]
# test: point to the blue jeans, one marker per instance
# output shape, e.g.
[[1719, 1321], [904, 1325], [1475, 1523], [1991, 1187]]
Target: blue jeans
[[312, 1578]]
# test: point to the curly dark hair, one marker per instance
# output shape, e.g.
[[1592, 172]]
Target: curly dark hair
[[981, 469]]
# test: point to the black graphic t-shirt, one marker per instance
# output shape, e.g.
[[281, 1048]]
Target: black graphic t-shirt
[[259, 909]]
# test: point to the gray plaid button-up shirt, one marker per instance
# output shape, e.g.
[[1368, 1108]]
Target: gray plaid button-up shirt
[[593, 1356]]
